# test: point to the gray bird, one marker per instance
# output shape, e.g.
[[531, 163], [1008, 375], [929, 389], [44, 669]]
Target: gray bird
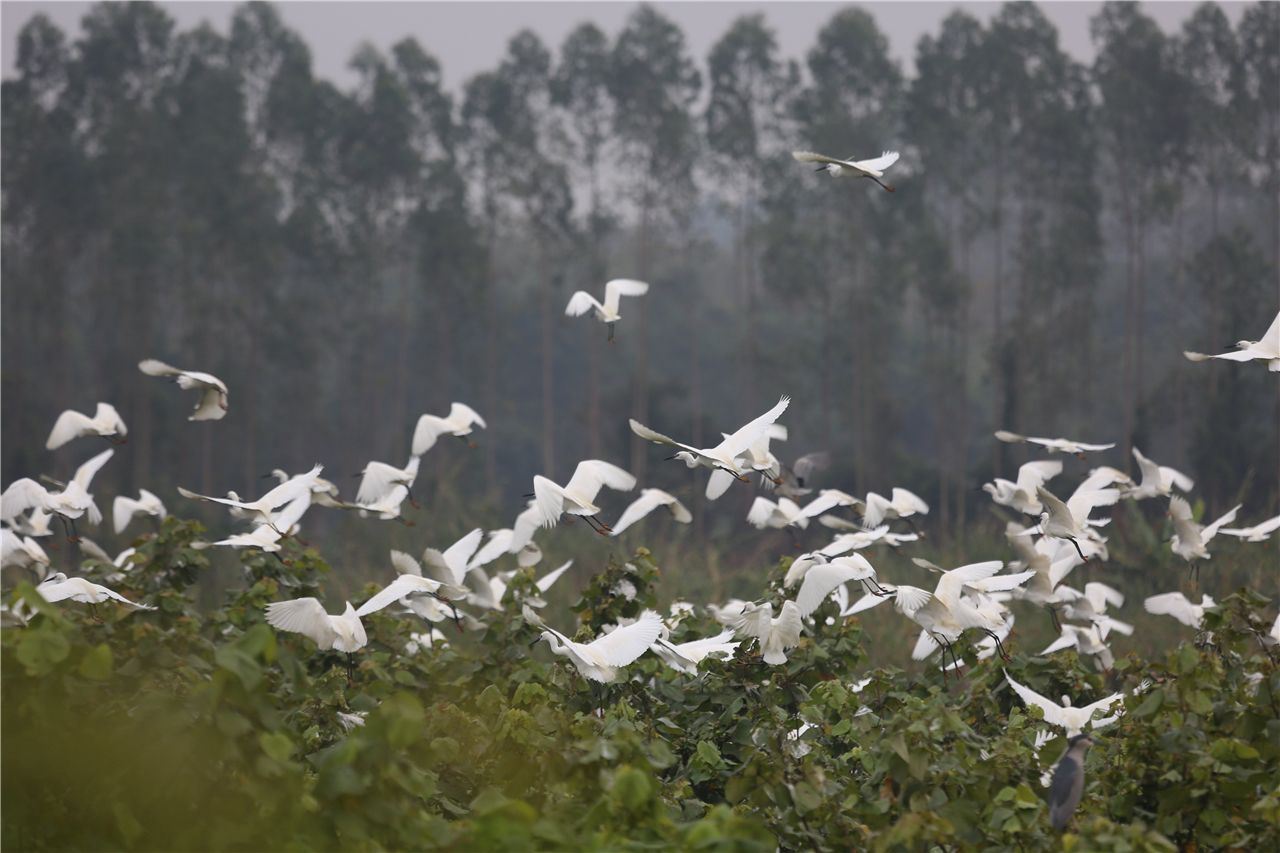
[[1067, 785]]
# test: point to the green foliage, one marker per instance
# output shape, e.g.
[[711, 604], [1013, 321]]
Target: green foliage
[[176, 729]]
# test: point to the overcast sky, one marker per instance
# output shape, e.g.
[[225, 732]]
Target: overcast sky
[[468, 37]]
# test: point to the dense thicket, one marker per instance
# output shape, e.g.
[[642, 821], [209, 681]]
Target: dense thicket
[[346, 260]]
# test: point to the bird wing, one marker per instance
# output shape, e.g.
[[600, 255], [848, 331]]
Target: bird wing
[[593, 474], [304, 616], [498, 543], [619, 287], [84, 474], [909, 599], [1058, 511], [154, 367], [876, 165], [1211, 530], [464, 414], [550, 500], [1176, 478], [20, 496], [290, 489], [761, 511], [1053, 712], [107, 415], [828, 499], [1102, 705], [1001, 583], [908, 502], [405, 564], [70, 424], [679, 512], [378, 479], [812, 157], [580, 303], [1009, 437], [1150, 470], [428, 429], [1183, 524], [1263, 529], [1081, 502], [809, 464], [873, 509], [525, 525], [788, 625], [754, 620], [649, 500], [822, 578], [545, 582], [287, 518], [1066, 641], [458, 555], [658, 438], [953, 582], [122, 510], [1173, 604], [1037, 473], [210, 405], [1101, 596], [749, 434], [115, 596], [396, 590], [718, 482], [627, 643]]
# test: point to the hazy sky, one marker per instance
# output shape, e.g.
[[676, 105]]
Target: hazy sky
[[467, 37]]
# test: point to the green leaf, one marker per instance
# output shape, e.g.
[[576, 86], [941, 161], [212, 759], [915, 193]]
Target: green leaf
[[277, 745], [1151, 704], [97, 663]]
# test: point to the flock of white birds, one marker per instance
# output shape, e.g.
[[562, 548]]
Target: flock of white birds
[[1056, 536]]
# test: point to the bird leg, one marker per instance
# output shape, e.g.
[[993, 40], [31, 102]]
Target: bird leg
[[610, 325], [1073, 541], [351, 669], [406, 522], [999, 646], [1053, 617], [409, 494], [887, 187]]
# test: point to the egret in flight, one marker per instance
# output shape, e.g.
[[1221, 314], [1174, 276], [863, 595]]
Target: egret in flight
[[59, 587], [106, 422], [212, 403], [124, 508], [577, 497], [873, 168], [600, 659], [458, 422], [581, 302], [650, 500], [1066, 716], [1054, 445], [1267, 349]]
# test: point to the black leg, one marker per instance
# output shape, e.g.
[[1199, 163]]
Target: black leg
[[1073, 541]]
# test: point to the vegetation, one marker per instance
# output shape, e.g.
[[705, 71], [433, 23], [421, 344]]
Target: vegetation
[[175, 729]]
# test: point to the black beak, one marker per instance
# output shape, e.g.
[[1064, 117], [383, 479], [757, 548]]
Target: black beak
[[820, 169], [669, 458]]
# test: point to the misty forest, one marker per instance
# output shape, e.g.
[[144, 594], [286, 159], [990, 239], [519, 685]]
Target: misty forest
[[1054, 246]]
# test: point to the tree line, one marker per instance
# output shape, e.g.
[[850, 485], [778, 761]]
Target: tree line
[[347, 259]]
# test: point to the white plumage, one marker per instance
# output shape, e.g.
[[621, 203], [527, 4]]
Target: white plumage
[[211, 405], [106, 422]]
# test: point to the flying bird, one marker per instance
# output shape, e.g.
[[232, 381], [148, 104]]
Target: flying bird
[[124, 508], [212, 403], [1054, 445], [307, 616], [1070, 520], [106, 422], [1021, 494], [458, 422], [1066, 716], [1191, 540], [262, 508], [873, 168], [379, 479], [1178, 606], [577, 497], [600, 659], [902, 504], [581, 302], [775, 634], [70, 504], [59, 587], [1157, 480], [685, 657], [1267, 349], [650, 500], [1258, 533]]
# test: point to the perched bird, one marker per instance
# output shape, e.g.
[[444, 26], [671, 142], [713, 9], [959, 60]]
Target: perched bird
[[873, 168], [212, 403], [724, 456], [649, 500], [1258, 533], [378, 480], [1065, 716], [458, 422], [601, 659], [1190, 540], [1067, 786], [70, 504], [1021, 494], [581, 302], [903, 504], [59, 587], [1157, 480], [262, 508], [775, 634], [1055, 445], [1177, 605], [106, 422], [1267, 349], [307, 616], [123, 509], [578, 495], [685, 657]]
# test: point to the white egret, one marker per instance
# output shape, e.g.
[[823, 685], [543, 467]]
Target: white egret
[[782, 513], [70, 504], [21, 552], [836, 168], [1266, 349], [1054, 445], [601, 659], [795, 480], [451, 565], [378, 479], [685, 657], [724, 456], [1070, 520], [388, 509], [1066, 716], [581, 302], [59, 587], [775, 634], [1258, 533], [821, 580], [124, 508], [827, 500], [1190, 540], [212, 403], [1091, 605], [903, 504], [262, 508], [307, 616], [1157, 480], [1021, 494], [577, 497], [106, 422], [1177, 605], [649, 500], [526, 524], [1086, 640], [267, 537], [458, 422]]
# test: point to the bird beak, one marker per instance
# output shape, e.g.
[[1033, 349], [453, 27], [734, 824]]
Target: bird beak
[[820, 168], [669, 458]]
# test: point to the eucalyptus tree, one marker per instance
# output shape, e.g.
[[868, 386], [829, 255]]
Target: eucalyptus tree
[[1258, 95], [1142, 121], [654, 83]]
